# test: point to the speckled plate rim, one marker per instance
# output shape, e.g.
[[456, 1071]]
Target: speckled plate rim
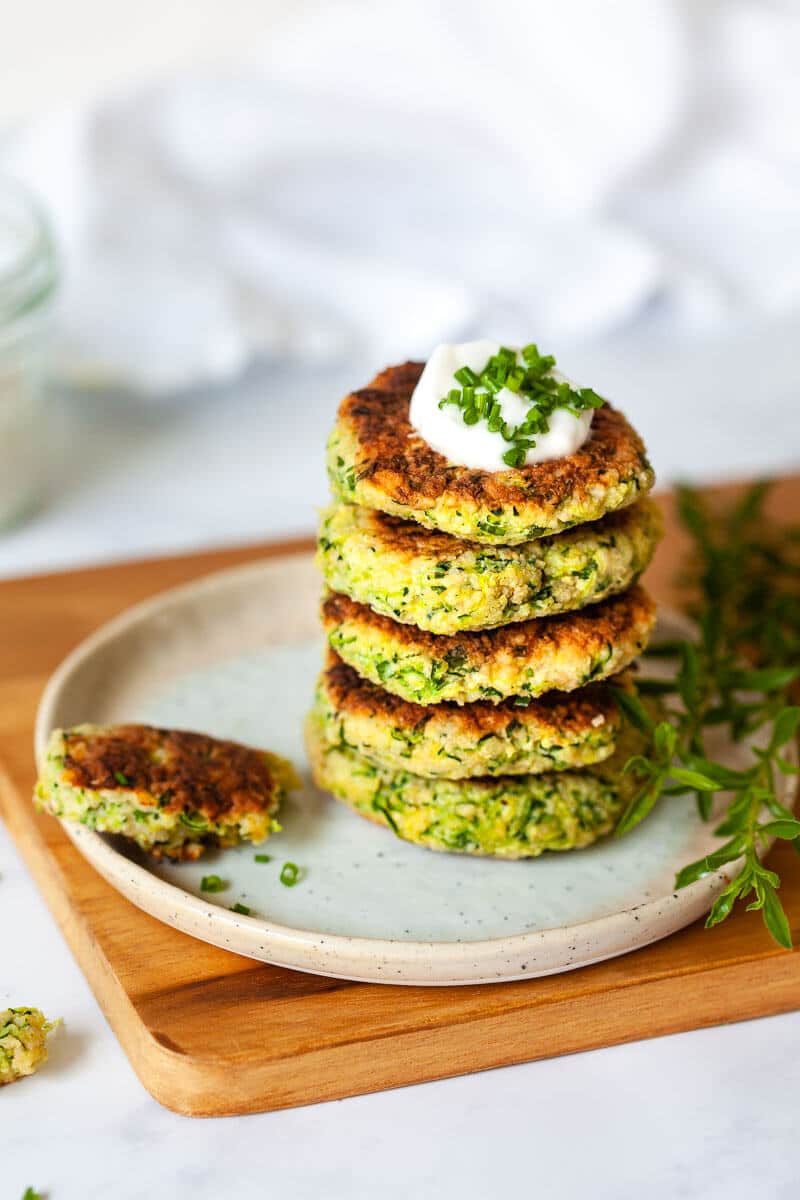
[[339, 956]]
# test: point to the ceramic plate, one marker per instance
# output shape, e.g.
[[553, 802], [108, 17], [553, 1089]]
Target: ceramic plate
[[236, 655]]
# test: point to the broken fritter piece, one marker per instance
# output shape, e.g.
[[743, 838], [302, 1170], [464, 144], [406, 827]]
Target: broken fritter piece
[[170, 791]]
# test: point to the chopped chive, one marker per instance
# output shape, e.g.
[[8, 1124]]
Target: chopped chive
[[532, 379], [121, 779], [262, 858], [591, 398], [290, 874], [466, 376], [515, 457], [213, 883], [240, 908]]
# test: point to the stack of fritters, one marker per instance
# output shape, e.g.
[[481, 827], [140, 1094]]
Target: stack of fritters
[[471, 618]]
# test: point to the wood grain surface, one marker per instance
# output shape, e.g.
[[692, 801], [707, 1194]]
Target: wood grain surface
[[302, 1038]]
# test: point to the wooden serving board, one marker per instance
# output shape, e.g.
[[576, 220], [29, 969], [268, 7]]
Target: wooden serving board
[[301, 1038]]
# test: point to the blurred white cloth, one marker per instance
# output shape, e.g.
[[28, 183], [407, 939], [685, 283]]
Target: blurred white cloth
[[396, 175]]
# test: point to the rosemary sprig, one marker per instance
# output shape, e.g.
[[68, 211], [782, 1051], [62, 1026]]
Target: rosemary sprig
[[739, 675]]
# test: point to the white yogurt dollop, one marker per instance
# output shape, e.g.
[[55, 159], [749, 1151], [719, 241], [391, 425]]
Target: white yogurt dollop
[[473, 445]]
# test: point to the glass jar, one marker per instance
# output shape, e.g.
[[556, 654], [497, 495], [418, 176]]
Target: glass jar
[[28, 273]]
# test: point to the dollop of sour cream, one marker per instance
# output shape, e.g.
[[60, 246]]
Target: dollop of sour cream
[[474, 445]]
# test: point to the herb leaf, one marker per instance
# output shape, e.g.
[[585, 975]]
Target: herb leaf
[[693, 779], [775, 918], [788, 829]]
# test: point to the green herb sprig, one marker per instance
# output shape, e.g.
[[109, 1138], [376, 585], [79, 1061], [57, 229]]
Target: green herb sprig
[[533, 380], [738, 675]]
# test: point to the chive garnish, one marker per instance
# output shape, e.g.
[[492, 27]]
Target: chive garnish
[[240, 908], [213, 883], [290, 874], [533, 381], [121, 779], [262, 858]]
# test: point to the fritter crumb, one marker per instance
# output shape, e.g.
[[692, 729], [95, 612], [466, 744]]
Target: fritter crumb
[[23, 1038]]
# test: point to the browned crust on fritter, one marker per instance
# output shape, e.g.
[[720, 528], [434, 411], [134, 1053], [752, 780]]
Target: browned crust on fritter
[[571, 714], [192, 771], [405, 468], [410, 538], [587, 630]]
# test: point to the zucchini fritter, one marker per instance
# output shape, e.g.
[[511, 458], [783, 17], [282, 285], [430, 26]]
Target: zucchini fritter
[[524, 660], [451, 741], [170, 791], [375, 458], [443, 584]]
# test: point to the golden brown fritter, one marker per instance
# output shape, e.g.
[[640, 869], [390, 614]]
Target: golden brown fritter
[[444, 585], [569, 715], [376, 458], [558, 653], [452, 741], [188, 771], [170, 791]]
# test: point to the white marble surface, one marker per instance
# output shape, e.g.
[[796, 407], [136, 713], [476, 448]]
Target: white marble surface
[[709, 1114]]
